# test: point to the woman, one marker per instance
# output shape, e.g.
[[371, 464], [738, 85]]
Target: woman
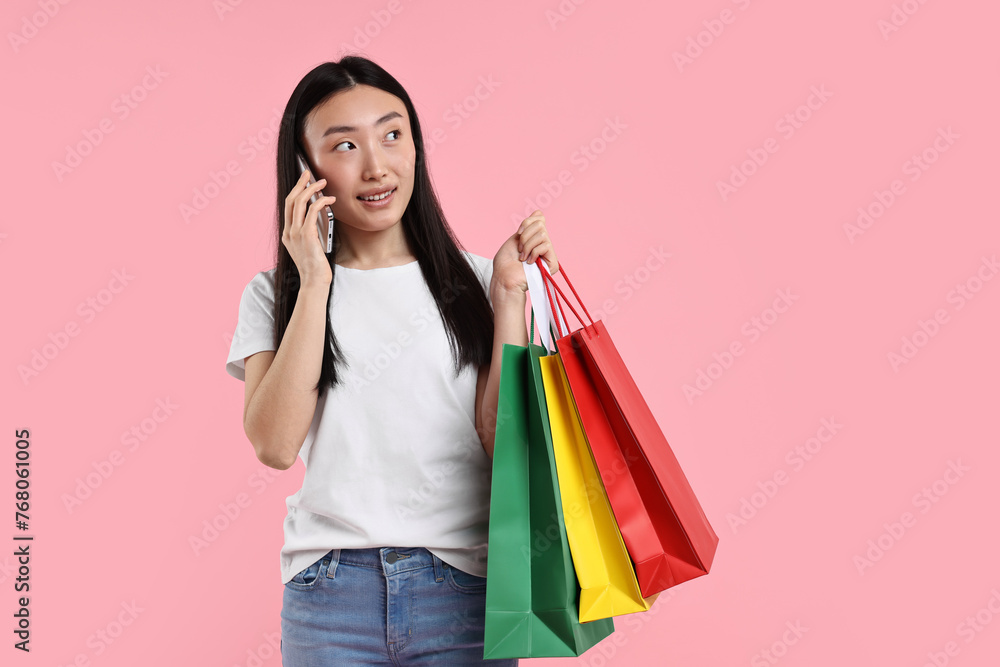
[[378, 365]]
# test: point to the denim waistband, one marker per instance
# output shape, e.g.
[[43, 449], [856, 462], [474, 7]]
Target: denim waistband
[[389, 560]]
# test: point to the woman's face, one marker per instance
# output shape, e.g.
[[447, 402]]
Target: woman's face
[[359, 140]]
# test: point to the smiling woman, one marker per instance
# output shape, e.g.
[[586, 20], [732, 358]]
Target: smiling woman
[[377, 364], [368, 166]]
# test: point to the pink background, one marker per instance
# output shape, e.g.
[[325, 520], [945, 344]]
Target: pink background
[[671, 133]]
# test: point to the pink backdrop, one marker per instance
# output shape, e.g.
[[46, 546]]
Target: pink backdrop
[[784, 212]]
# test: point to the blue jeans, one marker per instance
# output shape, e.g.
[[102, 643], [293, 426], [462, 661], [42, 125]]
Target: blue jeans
[[383, 606]]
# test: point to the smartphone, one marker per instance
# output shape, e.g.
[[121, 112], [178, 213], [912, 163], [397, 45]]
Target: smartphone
[[324, 219]]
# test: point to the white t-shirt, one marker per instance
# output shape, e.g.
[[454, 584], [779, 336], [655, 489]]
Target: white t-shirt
[[392, 456]]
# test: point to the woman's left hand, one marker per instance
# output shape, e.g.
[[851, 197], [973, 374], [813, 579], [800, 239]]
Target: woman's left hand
[[528, 243]]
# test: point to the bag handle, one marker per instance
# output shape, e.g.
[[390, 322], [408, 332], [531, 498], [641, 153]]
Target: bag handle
[[541, 306], [554, 301], [555, 296], [531, 334], [549, 280]]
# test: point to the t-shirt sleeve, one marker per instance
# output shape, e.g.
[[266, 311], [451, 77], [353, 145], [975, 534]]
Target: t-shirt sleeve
[[255, 327], [484, 270]]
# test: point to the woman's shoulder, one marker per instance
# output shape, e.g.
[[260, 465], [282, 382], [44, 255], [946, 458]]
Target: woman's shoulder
[[263, 280], [483, 266], [478, 261], [261, 286]]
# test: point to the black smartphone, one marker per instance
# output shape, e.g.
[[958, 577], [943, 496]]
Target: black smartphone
[[324, 219]]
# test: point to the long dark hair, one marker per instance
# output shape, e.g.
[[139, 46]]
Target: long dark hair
[[465, 312]]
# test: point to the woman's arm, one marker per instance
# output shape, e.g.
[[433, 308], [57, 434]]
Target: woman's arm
[[281, 409], [508, 327], [508, 291]]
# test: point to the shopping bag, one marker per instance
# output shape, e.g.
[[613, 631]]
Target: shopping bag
[[532, 593], [664, 527], [603, 568]]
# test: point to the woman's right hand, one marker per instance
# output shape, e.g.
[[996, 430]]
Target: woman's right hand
[[301, 234]]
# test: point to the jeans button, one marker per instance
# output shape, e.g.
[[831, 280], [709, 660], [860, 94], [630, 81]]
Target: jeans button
[[392, 557]]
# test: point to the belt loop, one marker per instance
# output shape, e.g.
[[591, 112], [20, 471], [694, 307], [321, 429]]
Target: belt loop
[[438, 567], [331, 569]]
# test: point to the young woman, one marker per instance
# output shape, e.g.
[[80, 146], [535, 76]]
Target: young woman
[[378, 365]]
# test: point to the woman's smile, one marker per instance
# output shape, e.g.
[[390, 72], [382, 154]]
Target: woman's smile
[[380, 200]]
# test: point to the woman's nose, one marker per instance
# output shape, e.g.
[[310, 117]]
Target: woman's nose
[[374, 164]]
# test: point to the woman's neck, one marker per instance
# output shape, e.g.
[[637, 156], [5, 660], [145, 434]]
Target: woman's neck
[[373, 250]]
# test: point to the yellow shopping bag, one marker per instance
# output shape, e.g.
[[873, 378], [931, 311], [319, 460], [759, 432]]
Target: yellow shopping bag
[[608, 585]]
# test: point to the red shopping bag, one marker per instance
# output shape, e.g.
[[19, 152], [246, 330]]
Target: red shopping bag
[[662, 523]]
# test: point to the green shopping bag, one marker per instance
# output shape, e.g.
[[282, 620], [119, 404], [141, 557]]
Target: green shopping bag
[[532, 593]]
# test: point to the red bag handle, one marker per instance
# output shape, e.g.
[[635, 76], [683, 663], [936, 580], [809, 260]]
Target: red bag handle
[[556, 306], [549, 280], [557, 309]]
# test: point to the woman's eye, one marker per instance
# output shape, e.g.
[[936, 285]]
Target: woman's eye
[[398, 133]]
